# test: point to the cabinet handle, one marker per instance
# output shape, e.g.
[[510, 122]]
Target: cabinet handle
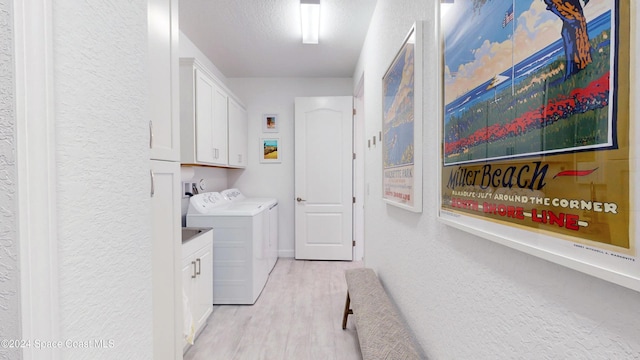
[[199, 266], [194, 270], [153, 183], [150, 134]]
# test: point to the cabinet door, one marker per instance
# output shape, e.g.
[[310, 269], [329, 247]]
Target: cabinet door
[[165, 263], [204, 113], [220, 134], [237, 134], [203, 301], [188, 286], [164, 122]]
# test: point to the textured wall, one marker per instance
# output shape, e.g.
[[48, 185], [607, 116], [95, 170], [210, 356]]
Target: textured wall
[[276, 96], [101, 93], [466, 297], [9, 276]]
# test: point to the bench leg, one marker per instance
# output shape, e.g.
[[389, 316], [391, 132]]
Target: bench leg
[[347, 312]]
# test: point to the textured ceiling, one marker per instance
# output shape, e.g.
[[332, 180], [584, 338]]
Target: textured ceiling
[[261, 38]]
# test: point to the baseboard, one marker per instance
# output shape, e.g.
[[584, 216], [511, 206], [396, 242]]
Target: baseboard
[[286, 253]]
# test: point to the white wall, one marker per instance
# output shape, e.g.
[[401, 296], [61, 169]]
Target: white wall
[[463, 296], [102, 156], [276, 96], [190, 50], [9, 275]]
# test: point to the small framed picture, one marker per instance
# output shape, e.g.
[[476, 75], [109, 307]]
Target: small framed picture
[[270, 151], [270, 123]]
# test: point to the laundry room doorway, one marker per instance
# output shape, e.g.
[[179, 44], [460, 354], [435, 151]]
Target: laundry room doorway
[[324, 178]]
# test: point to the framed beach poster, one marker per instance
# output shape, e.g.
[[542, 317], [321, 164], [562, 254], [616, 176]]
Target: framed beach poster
[[538, 144], [402, 125], [270, 150]]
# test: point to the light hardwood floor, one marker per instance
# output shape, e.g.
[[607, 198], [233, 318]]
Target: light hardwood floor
[[297, 316]]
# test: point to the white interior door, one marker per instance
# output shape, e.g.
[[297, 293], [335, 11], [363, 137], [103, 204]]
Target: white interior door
[[323, 178]]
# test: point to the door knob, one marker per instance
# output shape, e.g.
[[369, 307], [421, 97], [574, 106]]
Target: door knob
[[299, 200]]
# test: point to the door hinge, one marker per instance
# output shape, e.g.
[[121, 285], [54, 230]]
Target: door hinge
[[354, 156], [354, 112], [353, 243], [354, 199]]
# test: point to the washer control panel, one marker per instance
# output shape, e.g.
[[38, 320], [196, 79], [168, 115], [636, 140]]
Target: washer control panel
[[207, 201], [233, 194]]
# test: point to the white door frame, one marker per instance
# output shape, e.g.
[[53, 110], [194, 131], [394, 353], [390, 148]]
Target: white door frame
[[358, 170], [36, 168]]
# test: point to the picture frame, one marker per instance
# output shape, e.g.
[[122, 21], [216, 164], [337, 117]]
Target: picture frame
[[270, 150], [270, 123], [534, 136], [402, 88]]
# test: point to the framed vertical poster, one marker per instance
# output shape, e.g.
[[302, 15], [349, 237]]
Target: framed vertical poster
[[537, 135], [402, 125], [270, 150], [270, 123]]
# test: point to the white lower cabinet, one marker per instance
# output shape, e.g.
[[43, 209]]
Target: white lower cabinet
[[197, 278], [165, 222]]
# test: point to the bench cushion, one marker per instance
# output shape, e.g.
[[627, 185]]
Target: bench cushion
[[382, 333]]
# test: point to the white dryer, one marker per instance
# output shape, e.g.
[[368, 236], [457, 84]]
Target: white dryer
[[236, 196], [240, 264]]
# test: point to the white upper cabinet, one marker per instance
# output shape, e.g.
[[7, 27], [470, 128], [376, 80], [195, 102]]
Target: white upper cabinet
[[212, 123], [203, 117], [237, 134], [164, 122], [220, 126]]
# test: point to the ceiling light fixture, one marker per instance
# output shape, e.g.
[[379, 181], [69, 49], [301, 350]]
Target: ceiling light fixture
[[310, 19]]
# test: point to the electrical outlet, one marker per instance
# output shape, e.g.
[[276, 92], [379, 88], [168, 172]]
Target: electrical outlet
[[187, 187]]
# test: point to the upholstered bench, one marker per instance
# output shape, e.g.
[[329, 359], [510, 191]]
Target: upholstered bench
[[382, 333]]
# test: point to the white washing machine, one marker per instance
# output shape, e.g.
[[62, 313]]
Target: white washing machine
[[236, 196], [240, 263]]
